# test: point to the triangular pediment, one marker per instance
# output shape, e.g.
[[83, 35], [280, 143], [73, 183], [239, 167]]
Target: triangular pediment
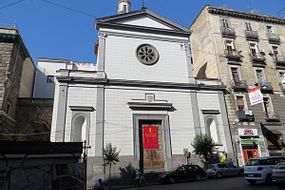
[[142, 18]]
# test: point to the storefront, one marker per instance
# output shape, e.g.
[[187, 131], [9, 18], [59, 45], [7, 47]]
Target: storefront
[[249, 144]]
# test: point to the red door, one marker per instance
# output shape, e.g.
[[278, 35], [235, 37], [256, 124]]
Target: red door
[[249, 153]]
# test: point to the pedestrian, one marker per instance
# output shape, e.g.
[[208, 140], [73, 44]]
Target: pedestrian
[[138, 178], [99, 184]]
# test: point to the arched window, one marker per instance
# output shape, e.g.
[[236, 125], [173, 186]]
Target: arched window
[[79, 128], [212, 130]]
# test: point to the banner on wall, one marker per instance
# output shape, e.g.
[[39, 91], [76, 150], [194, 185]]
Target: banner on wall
[[255, 96], [150, 137]]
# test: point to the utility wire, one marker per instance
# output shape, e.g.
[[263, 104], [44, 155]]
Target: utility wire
[[11, 4], [68, 8]]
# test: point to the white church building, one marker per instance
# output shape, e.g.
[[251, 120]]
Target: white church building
[[142, 96]]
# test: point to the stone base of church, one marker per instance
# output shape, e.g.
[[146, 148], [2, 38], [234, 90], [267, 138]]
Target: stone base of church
[[123, 171]]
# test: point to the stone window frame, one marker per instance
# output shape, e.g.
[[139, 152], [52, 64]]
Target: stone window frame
[[239, 72], [244, 100], [227, 20], [263, 73], [155, 51]]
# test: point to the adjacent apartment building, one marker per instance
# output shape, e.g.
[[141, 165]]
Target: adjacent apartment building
[[245, 50], [16, 78]]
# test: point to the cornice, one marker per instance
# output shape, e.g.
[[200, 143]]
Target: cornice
[[140, 83], [245, 15]]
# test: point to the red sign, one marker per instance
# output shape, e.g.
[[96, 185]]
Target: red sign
[[150, 137]]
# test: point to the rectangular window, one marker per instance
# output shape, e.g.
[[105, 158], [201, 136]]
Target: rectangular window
[[229, 45], [253, 49], [50, 79], [267, 106], [240, 103], [275, 50], [269, 29], [259, 75], [225, 22], [125, 8], [282, 77], [235, 75], [248, 26]]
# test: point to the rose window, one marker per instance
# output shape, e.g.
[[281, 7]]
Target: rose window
[[147, 54]]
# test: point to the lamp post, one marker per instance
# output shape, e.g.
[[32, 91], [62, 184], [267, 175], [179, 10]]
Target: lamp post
[[85, 146]]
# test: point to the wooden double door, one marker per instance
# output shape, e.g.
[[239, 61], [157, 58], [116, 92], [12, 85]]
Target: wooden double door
[[151, 145]]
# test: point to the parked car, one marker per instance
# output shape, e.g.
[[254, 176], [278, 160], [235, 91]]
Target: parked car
[[278, 174], [223, 170], [260, 169], [182, 173]]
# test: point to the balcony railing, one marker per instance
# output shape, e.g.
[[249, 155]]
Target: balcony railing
[[245, 115], [273, 38], [228, 31], [233, 54], [251, 35], [239, 85], [258, 57], [272, 117], [265, 85], [279, 60]]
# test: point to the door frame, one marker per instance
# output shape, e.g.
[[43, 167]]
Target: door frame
[[164, 118]]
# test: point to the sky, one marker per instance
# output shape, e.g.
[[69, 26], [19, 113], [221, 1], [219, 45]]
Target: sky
[[65, 28]]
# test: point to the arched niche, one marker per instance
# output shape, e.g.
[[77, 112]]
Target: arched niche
[[79, 128], [212, 129]]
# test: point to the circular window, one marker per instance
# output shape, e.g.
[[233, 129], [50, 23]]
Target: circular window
[[147, 54]]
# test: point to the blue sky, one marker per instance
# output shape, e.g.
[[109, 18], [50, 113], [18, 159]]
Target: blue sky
[[53, 31]]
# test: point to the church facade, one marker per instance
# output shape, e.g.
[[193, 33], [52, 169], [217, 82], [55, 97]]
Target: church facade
[[142, 97]]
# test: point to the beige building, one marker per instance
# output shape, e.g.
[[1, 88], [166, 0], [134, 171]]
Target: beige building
[[245, 50]]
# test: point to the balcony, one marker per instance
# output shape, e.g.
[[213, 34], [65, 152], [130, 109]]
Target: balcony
[[273, 38], [272, 117], [251, 35], [239, 85], [228, 32], [245, 115], [279, 60], [258, 59], [265, 86], [233, 55]]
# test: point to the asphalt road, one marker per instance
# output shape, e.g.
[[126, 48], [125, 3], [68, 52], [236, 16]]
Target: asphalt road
[[233, 183]]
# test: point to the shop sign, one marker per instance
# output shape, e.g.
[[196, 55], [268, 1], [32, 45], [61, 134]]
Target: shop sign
[[247, 132], [255, 96]]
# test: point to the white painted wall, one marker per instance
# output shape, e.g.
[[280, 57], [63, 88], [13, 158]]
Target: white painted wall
[[121, 61], [42, 88], [208, 100], [119, 118]]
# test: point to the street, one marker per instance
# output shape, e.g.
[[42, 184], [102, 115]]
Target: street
[[233, 183]]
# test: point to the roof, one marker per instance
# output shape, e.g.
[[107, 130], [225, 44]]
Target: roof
[[245, 15], [139, 13]]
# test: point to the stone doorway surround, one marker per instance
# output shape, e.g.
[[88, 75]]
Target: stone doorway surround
[[150, 104]]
